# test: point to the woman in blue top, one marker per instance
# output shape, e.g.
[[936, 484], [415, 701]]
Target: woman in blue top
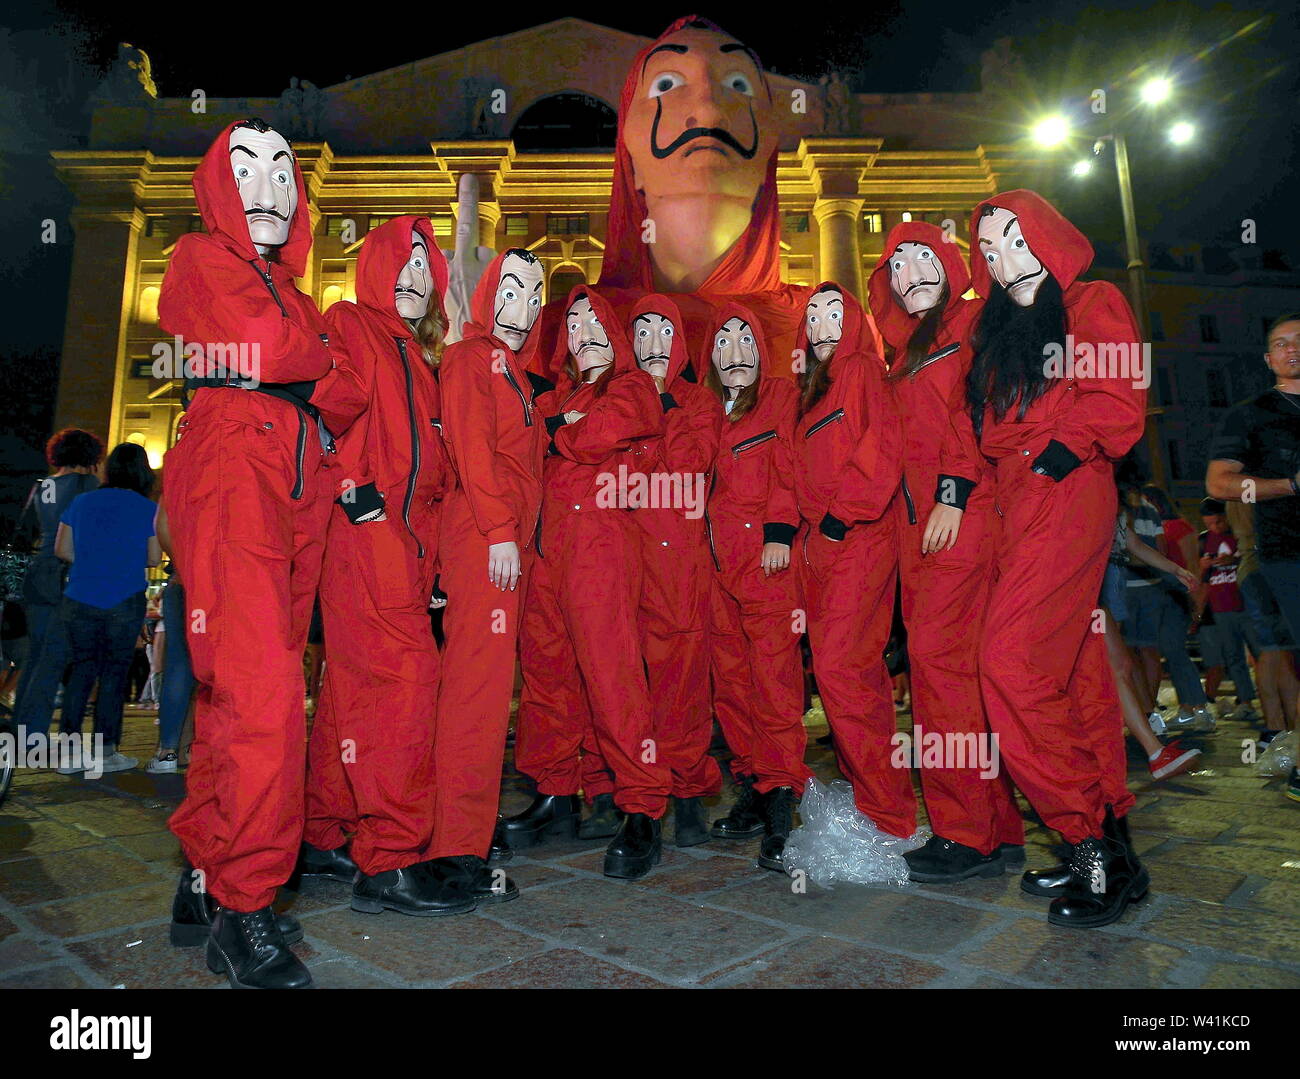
[[108, 536]]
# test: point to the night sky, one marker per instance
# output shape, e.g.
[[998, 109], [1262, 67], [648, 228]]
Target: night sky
[[1236, 69]]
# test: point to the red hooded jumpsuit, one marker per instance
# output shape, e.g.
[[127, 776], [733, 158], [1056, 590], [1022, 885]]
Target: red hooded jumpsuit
[[749, 273], [248, 493], [496, 440], [370, 759], [1044, 675], [754, 654], [580, 616], [674, 554], [944, 594], [848, 456]]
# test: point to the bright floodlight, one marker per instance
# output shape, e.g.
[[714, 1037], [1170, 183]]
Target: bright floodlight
[[1157, 90], [1182, 133], [1082, 168], [1051, 131]]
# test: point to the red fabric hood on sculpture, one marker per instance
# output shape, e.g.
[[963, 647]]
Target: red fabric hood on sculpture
[[895, 324]]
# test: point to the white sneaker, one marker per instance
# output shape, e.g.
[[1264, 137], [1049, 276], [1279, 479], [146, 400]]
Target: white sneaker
[[163, 763], [116, 762]]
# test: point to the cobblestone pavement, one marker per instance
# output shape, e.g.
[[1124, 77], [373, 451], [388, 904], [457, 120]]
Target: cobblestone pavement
[[88, 868]]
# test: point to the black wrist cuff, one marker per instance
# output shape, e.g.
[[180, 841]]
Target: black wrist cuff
[[833, 528], [554, 423], [776, 532], [666, 399], [953, 491], [361, 502], [1057, 461]]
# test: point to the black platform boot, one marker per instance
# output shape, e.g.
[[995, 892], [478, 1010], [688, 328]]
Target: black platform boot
[[604, 820], [945, 861], [499, 851], [475, 878], [636, 849], [1047, 883], [1105, 877], [744, 821], [692, 826], [550, 814], [192, 916], [250, 951], [334, 864], [778, 822], [413, 890]]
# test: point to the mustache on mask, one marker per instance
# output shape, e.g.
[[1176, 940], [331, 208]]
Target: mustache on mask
[[721, 134], [654, 358], [592, 344], [738, 367], [1026, 277], [267, 211], [920, 284], [400, 291]]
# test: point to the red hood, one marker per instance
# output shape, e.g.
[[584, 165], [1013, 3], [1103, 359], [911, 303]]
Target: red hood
[[724, 313], [222, 210], [856, 335], [1061, 247], [895, 324], [482, 317], [383, 254], [754, 262], [679, 354], [624, 357]]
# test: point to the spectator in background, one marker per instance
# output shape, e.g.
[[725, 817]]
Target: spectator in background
[[108, 536], [1279, 689], [178, 675], [1224, 643], [1157, 622], [73, 457]]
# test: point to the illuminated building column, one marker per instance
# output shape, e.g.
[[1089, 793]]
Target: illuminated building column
[[838, 257]]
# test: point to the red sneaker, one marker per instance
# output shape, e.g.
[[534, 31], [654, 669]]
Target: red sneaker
[[1173, 760]]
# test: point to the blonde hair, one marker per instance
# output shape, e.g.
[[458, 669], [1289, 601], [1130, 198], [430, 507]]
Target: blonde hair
[[430, 334]]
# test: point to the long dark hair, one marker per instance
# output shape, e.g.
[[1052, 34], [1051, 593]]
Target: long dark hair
[[1008, 369], [745, 399], [921, 342], [816, 378], [128, 467]]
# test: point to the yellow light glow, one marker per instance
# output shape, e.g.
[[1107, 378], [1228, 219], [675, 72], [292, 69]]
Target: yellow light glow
[[1051, 131], [1157, 91], [907, 215], [1182, 133], [1081, 168]]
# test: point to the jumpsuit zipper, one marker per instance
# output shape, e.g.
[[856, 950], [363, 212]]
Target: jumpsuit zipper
[[934, 357], [911, 509], [514, 385], [415, 448], [299, 478], [828, 418], [750, 443], [708, 525]]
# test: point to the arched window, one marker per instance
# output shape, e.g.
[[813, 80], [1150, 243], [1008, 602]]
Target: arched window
[[147, 310], [568, 121], [562, 280]]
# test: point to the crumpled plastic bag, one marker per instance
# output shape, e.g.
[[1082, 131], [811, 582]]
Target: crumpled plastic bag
[[838, 842], [1280, 756]]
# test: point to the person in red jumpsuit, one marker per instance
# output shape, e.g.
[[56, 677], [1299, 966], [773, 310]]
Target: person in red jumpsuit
[[754, 657], [580, 622], [370, 759], [1056, 395], [848, 456], [916, 297], [248, 491], [490, 521], [674, 609]]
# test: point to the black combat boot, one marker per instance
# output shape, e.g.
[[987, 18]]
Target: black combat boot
[[604, 820], [412, 889], [250, 951], [499, 851], [334, 864], [636, 849], [692, 826], [192, 916], [945, 861], [550, 814], [1105, 877], [777, 806], [1047, 883], [744, 821], [475, 878]]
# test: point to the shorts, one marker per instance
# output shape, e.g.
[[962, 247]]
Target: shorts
[[1114, 592], [1146, 606], [1265, 615]]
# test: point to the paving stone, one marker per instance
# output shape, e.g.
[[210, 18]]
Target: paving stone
[[22, 951], [1238, 857], [154, 847], [1277, 837], [52, 977], [669, 937], [107, 910], [110, 817], [1170, 825], [422, 949], [70, 875], [1230, 929], [339, 974], [1170, 877], [696, 876], [23, 838], [826, 963], [1279, 897], [1050, 955], [1242, 976], [899, 918], [561, 968], [145, 959]]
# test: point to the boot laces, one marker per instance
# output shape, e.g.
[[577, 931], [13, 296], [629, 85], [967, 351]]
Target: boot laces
[[1086, 864], [260, 929], [747, 797]]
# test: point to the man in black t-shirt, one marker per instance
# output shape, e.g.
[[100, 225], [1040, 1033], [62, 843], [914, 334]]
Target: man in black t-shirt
[[1255, 457]]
